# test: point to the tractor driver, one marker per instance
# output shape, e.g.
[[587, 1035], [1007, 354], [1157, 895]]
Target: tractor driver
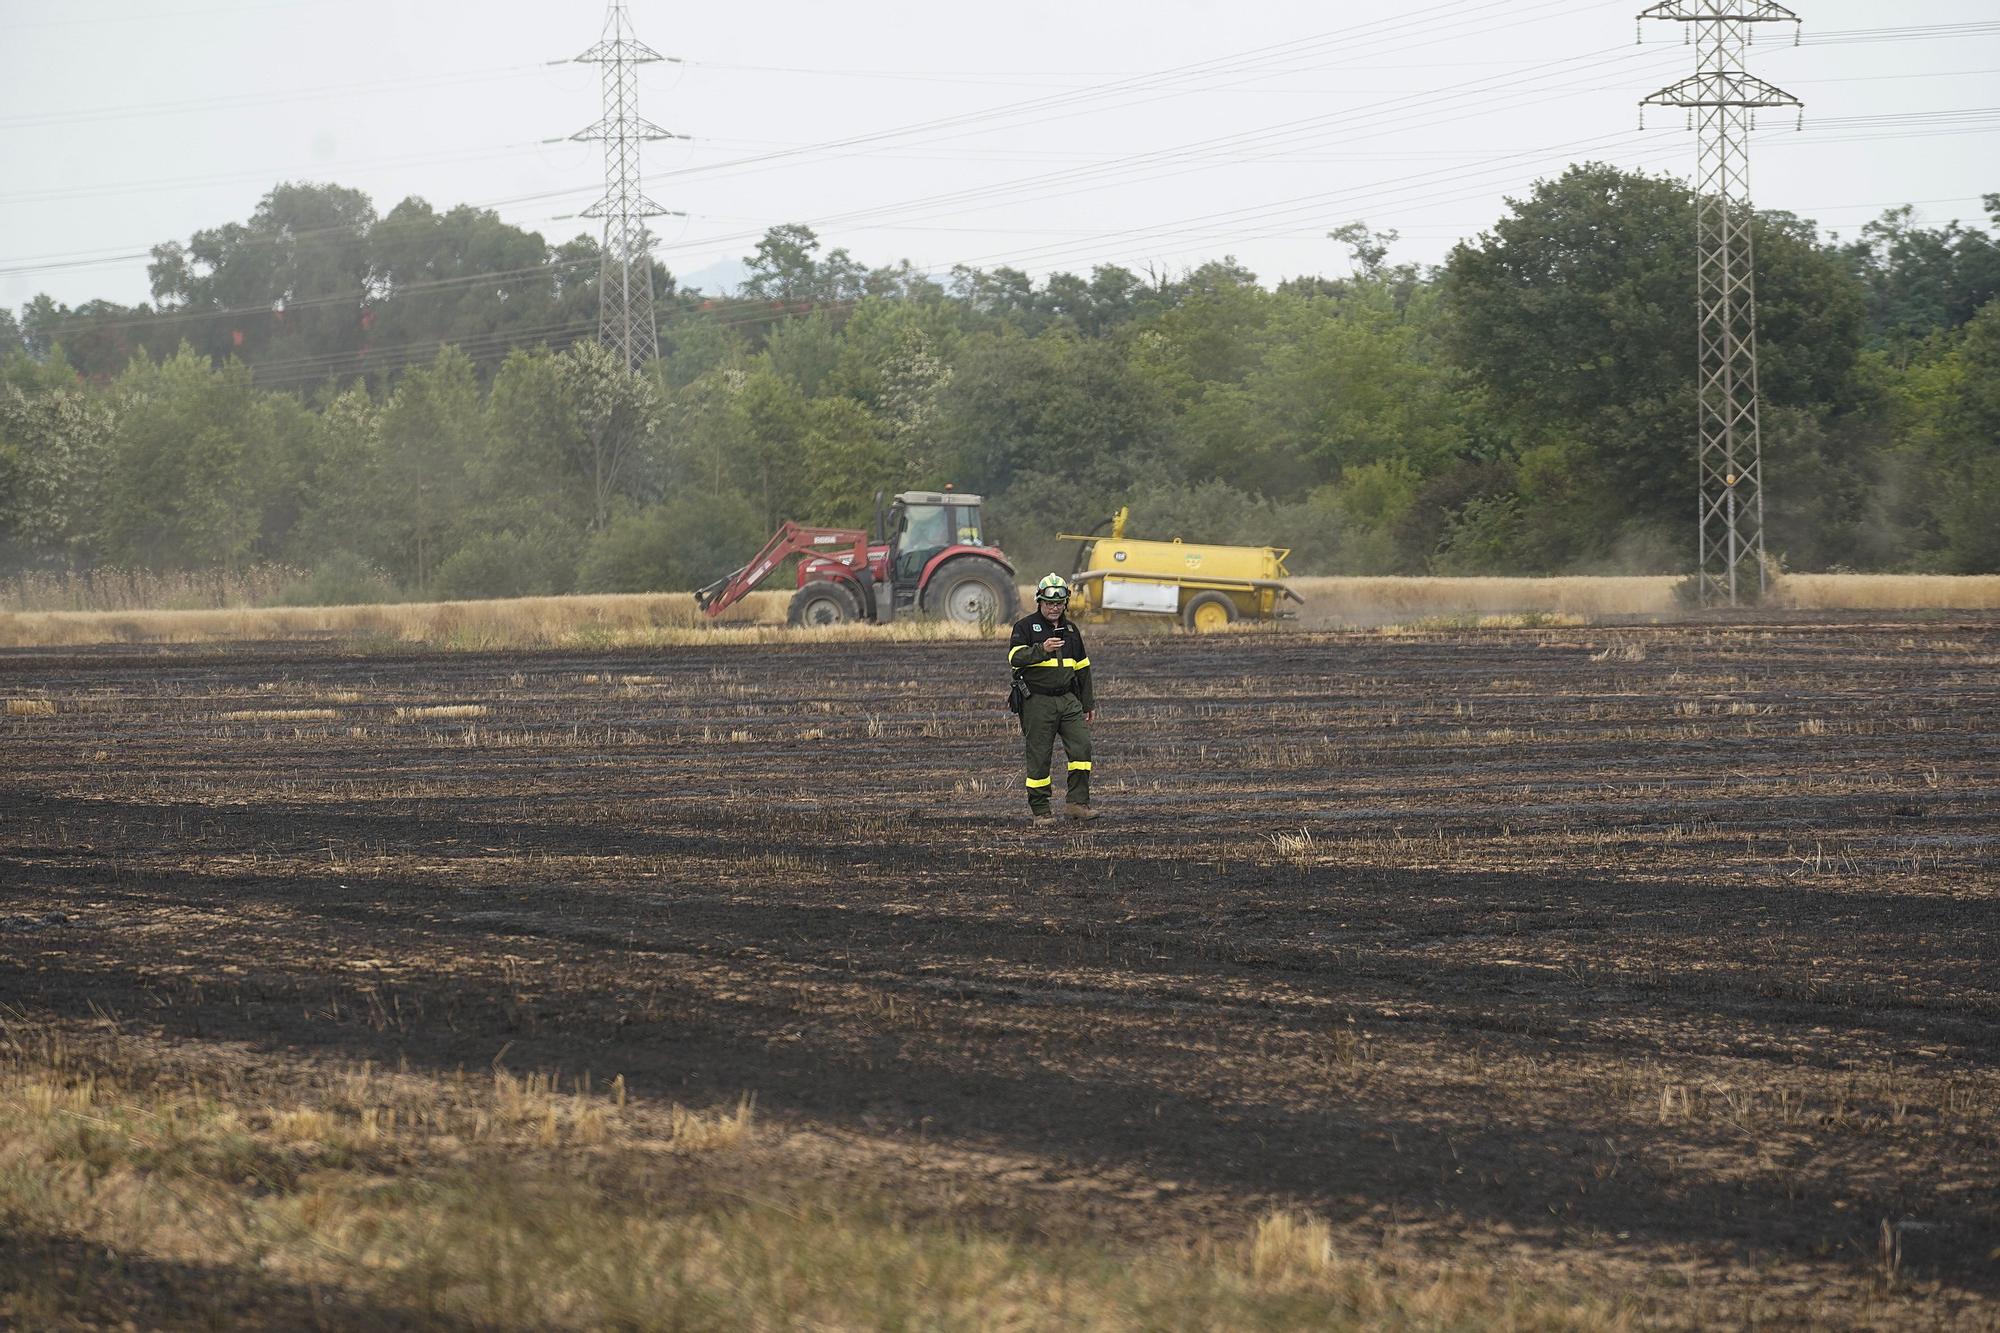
[[925, 532], [1047, 651]]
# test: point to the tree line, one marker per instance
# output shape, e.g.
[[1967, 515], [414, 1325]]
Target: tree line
[[413, 404]]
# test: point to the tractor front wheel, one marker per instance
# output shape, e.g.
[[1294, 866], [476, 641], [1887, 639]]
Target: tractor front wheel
[[972, 590], [823, 602]]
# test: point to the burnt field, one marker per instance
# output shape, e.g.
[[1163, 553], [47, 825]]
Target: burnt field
[[1661, 963]]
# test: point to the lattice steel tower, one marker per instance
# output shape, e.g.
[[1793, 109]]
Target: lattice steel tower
[[1722, 102], [625, 319]]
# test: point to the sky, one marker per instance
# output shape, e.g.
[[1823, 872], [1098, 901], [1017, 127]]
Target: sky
[[1043, 136]]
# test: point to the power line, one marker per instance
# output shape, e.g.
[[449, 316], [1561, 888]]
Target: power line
[[1912, 32], [240, 101], [159, 183], [157, 15], [358, 299], [1241, 60], [1104, 173], [385, 226], [1177, 227], [1067, 101], [394, 358], [388, 360], [1826, 37], [1375, 195], [1235, 61]]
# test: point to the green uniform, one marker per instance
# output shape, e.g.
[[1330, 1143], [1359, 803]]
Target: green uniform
[[1059, 694]]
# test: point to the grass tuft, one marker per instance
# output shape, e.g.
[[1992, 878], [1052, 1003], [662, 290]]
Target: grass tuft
[[280, 715], [1291, 1245]]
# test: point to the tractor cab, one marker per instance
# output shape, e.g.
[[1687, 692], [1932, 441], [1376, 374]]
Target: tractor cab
[[920, 526]]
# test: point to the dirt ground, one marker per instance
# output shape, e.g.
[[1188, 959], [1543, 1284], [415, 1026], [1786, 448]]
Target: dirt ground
[[1664, 957]]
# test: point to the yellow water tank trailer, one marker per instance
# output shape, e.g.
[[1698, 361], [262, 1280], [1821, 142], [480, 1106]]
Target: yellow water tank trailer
[[1201, 585]]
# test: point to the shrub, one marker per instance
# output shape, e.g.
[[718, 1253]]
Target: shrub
[[685, 543], [343, 579], [503, 564]]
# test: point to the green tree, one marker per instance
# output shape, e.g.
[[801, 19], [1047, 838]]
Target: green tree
[[347, 496], [784, 268], [288, 290], [1372, 503], [465, 277], [913, 382], [277, 467], [1056, 427], [578, 433], [54, 445], [692, 345], [431, 430], [180, 492], [1922, 280], [1576, 315], [1345, 383], [846, 460], [1968, 450], [806, 352], [98, 338], [997, 297], [743, 431], [616, 419], [40, 320], [769, 466]]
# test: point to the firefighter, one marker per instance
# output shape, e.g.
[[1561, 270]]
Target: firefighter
[[1047, 654]]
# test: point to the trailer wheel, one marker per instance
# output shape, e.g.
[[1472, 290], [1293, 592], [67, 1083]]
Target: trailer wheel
[[1208, 612], [971, 589], [823, 602]]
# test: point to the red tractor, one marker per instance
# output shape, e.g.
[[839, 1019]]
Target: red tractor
[[929, 556]]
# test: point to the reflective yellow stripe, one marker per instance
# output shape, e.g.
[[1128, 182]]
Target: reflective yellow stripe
[[1018, 648], [1079, 663], [1040, 782], [1076, 764], [1053, 661]]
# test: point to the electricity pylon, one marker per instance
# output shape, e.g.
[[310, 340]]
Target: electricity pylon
[[625, 318], [1723, 102]]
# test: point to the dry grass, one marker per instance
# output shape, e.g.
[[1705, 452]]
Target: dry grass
[[441, 711], [31, 708], [1286, 1243], [1368, 601], [1375, 600], [516, 1202], [113, 589], [649, 620], [280, 715], [660, 620], [1888, 592]]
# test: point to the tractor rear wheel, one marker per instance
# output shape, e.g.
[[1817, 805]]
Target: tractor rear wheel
[[972, 590], [1209, 612], [823, 602]]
